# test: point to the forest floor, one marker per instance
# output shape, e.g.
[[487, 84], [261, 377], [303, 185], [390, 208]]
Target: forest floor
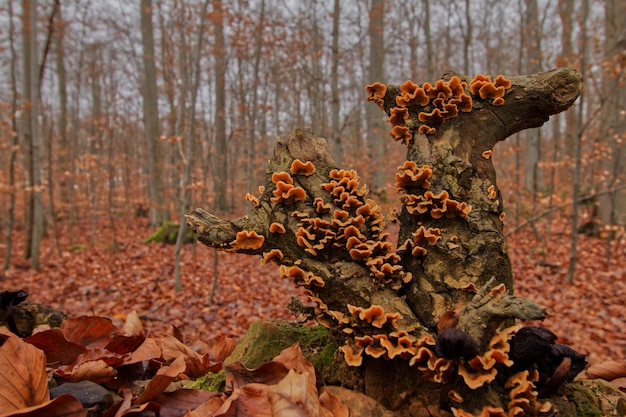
[[121, 274]]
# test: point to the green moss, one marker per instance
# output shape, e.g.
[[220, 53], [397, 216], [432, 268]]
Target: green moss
[[265, 339], [210, 382], [325, 357], [583, 398], [75, 248], [168, 233]]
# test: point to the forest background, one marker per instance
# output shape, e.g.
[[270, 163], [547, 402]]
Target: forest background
[[115, 117]]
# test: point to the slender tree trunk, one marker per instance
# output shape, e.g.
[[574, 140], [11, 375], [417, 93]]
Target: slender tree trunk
[[430, 58], [612, 207], [467, 38], [31, 126], [571, 270], [190, 146], [533, 178], [15, 142], [566, 58], [151, 115], [334, 87], [220, 165], [376, 135], [254, 105]]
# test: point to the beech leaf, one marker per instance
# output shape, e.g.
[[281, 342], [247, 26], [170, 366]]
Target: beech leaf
[[64, 405], [23, 378], [608, 370]]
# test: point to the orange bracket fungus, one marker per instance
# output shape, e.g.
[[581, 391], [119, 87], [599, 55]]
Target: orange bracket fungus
[[427, 313]]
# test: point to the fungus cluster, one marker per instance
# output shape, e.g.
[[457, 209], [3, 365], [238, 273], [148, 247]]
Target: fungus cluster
[[439, 204], [410, 177], [286, 191], [419, 239], [376, 93], [483, 87], [347, 223], [247, 240], [425, 108]]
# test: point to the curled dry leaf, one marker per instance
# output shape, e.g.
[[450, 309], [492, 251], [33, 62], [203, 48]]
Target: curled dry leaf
[[58, 349], [294, 396], [333, 404], [23, 379], [161, 380], [89, 331], [608, 370], [63, 406]]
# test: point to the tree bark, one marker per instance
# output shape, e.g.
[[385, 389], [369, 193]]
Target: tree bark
[[151, 114], [612, 206], [220, 168], [31, 129], [375, 129], [14, 143], [318, 224]]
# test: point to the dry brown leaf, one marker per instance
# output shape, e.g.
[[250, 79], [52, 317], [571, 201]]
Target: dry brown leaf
[[608, 370], [175, 404], [333, 404], [57, 348], [96, 371], [63, 406], [161, 380], [148, 350], [270, 373], [89, 331], [249, 401], [23, 379], [132, 325], [293, 358], [294, 396], [207, 408], [620, 384], [197, 365]]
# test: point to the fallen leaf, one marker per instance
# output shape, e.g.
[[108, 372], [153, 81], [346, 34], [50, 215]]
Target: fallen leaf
[[333, 404], [132, 325], [161, 380], [23, 379], [608, 370], [294, 396], [57, 348], [175, 404], [293, 358], [64, 405], [89, 331]]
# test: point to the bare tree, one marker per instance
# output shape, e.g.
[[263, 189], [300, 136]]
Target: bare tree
[[14, 143], [191, 133], [151, 115], [220, 165], [31, 128], [613, 205], [376, 137]]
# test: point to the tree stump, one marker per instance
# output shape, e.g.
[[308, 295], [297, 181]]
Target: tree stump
[[431, 316]]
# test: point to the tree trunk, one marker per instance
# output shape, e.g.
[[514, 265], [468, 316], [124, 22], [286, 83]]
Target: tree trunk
[[384, 300], [376, 137], [31, 129], [612, 206], [191, 138], [334, 87], [220, 168], [151, 115], [14, 145]]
